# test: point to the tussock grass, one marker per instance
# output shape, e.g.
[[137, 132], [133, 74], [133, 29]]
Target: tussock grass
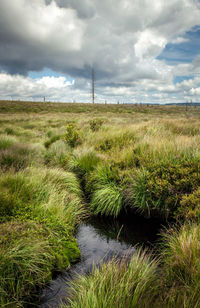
[[107, 200], [52, 140], [84, 161], [181, 266], [6, 142], [26, 261], [57, 154], [117, 284], [17, 157], [52, 200]]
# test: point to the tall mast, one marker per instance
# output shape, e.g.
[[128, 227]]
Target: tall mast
[[93, 86]]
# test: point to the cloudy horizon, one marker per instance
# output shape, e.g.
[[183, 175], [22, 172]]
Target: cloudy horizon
[[141, 51]]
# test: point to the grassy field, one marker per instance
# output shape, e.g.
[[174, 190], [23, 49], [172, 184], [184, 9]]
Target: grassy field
[[62, 162]]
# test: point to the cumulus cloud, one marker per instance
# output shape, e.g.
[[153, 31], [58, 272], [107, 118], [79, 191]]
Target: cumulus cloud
[[121, 41]]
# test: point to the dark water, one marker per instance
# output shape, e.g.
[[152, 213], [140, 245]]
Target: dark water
[[99, 240]]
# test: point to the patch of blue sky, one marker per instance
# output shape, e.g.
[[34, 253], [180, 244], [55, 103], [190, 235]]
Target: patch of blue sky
[[178, 79], [184, 52], [48, 72]]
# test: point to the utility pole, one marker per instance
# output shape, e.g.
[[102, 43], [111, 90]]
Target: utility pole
[[93, 86]]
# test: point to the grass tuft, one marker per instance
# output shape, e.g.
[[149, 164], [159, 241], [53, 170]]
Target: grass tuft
[[117, 284]]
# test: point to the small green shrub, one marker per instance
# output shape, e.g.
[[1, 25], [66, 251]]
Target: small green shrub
[[95, 124], [72, 135], [190, 206], [158, 190]]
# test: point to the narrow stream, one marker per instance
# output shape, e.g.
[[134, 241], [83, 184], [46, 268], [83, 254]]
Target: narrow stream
[[99, 240]]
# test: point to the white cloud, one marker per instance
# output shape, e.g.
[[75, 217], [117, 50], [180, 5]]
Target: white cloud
[[53, 82], [179, 40], [121, 41]]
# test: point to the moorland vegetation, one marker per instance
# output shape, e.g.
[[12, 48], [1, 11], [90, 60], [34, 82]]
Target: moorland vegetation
[[60, 163]]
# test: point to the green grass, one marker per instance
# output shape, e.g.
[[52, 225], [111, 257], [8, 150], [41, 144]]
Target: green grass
[[117, 284], [51, 200], [181, 266], [6, 142], [107, 200], [145, 159]]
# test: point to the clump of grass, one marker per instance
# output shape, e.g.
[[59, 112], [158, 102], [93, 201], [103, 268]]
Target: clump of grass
[[106, 195], [107, 200], [26, 261], [57, 154], [181, 254], [118, 140], [181, 266], [138, 195], [118, 284], [6, 142], [83, 162], [52, 200], [50, 190], [52, 140], [16, 157]]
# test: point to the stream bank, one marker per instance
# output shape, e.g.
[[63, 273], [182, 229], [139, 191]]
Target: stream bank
[[99, 240]]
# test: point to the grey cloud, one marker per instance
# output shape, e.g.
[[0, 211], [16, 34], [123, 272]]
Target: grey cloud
[[120, 39]]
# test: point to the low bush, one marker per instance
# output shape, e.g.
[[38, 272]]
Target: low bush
[[159, 189], [95, 124], [72, 135], [190, 206]]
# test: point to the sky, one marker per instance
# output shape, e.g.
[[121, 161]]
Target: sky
[[142, 51]]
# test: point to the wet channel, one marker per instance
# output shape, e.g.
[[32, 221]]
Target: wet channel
[[99, 240]]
